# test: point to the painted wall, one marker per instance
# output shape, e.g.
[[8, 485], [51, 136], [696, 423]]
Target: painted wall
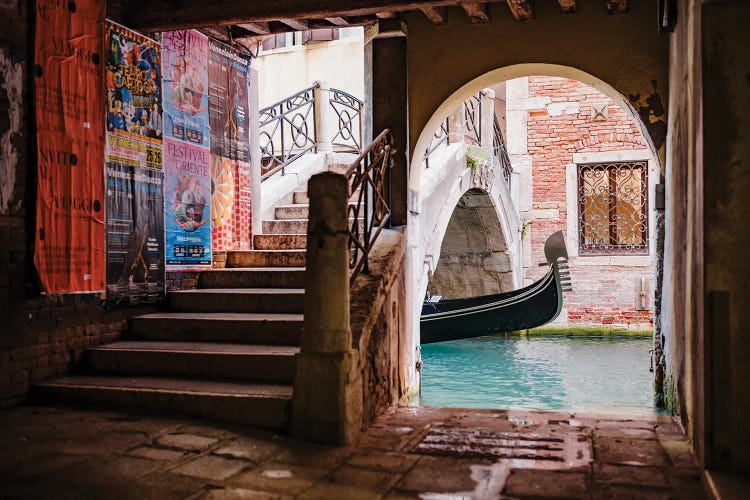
[[339, 63], [553, 125]]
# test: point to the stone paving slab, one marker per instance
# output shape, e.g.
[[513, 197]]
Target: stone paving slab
[[409, 452]]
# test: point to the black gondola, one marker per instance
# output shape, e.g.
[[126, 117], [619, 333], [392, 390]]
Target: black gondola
[[528, 307]]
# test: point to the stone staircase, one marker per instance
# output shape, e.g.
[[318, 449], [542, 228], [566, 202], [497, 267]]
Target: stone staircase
[[225, 350]]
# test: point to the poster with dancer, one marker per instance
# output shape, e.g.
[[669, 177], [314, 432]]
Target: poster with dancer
[[134, 103], [135, 234], [69, 239], [185, 86], [187, 213], [228, 106]]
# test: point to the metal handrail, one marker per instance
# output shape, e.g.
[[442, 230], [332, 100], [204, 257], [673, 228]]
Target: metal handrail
[[369, 200], [291, 119], [473, 119], [348, 109], [441, 135], [500, 151]]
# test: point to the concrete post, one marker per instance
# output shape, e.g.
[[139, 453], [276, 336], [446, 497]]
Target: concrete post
[[327, 404], [324, 126], [487, 115]]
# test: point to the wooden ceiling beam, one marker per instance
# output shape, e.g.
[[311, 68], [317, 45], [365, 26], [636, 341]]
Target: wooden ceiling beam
[[146, 15], [385, 15], [436, 15], [521, 9], [259, 28], [478, 12], [567, 6], [296, 24], [617, 6], [337, 21]]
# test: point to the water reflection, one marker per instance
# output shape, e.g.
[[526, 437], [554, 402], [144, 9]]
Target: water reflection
[[550, 373]]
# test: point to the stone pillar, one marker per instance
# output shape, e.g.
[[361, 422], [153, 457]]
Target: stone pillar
[[487, 116], [324, 126], [456, 126], [327, 403], [256, 156], [386, 87]]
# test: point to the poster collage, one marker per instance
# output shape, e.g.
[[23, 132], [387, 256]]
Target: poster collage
[[148, 210]]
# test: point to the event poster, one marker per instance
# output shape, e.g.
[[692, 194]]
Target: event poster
[[135, 234], [231, 208], [187, 215], [228, 109], [185, 55], [134, 103], [69, 241]]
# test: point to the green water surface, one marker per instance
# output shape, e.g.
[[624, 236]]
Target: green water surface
[[599, 375]]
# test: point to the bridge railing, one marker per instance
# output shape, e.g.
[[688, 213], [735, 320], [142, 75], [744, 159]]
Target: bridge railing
[[471, 120], [314, 119]]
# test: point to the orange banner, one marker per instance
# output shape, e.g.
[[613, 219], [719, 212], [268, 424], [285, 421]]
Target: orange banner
[[70, 246]]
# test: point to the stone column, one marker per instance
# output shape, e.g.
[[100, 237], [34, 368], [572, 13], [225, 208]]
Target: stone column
[[324, 126], [487, 116], [386, 88], [256, 156], [327, 404]]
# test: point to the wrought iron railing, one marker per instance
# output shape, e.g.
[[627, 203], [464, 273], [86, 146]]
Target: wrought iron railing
[[348, 110], [369, 203], [500, 152], [287, 131], [473, 119], [442, 135]]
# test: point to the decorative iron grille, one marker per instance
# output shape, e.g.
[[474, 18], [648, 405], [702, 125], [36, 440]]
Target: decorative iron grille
[[498, 148], [369, 203], [287, 131], [348, 110], [441, 135], [613, 208]]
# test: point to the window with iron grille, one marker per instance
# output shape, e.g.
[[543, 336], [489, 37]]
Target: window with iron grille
[[613, 208]]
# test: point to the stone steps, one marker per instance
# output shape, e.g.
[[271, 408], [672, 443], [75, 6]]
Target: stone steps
[[291, 226], [246, 328], [263, 405], [280, 241], [266, 258], [292, 212], [259, 363], [238, 300], [268, 277]]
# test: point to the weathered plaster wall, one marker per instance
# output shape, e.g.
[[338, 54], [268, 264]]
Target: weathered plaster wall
[[625, 51], [474, 258], [726, 184]]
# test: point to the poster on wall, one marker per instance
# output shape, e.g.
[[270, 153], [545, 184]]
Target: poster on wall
[[69, 241], [185, 55], [228, 106], [187, 214], [133, 101], [135, 234], [231, 209]]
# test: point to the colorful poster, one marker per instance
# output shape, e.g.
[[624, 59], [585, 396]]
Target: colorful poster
[[185, 59], [69, 241], [228, 106], [231, 210], [134, 103], [187, 216], [135, 234]]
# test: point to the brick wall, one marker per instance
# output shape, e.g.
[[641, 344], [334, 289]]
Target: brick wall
[[566, 117]]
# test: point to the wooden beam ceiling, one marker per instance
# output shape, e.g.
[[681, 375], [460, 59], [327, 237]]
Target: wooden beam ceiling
[[521, 9], [617, 6], [436, 15], [567, 6], [337, 21], [146, 15], [259, 28], [478, 12], [296, 24]]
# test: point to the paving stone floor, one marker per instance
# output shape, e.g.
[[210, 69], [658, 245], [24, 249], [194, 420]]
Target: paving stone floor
[[431, 453]]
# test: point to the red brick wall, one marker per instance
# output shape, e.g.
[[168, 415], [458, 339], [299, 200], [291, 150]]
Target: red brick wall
[[603, 294]]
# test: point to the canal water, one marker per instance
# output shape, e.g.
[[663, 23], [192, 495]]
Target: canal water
[[593, 375]]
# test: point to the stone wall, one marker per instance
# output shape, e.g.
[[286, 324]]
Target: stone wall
[[567, 123]]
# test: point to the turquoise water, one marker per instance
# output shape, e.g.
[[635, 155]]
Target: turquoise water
[[601, 375]]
